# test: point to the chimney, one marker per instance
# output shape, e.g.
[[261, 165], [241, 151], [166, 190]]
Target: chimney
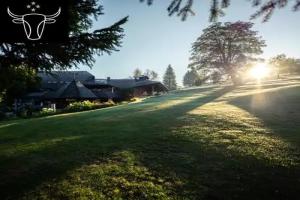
[[108, 79]]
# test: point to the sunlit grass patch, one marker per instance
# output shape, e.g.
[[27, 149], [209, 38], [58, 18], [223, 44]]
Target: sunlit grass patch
[[119, 177], [234, 131], [181, 98], [183, 145], [21, 148]]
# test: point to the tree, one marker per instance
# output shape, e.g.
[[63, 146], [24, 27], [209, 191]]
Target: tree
[[169, 79], [151, 74], [191, 78], [137, 73], [279, 62], [285, 65], [226, 48], [15, 82], [266, 7], [81, 47]]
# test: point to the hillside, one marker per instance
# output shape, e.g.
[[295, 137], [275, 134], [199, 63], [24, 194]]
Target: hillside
[[203, 143]]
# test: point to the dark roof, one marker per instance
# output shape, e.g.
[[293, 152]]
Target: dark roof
[[65, 76], [57, 79], [52, 86], [36, 95], [107, 94], [72, 90], [133, 83], [123, 83]]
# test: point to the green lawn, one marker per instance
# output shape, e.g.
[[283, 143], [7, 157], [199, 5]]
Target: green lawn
[[204, 143]]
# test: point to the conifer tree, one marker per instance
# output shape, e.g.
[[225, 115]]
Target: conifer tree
[[81, 48], [184, 8], [169, 78]]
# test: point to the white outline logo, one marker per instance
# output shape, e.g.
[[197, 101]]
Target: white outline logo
[[45, 19]]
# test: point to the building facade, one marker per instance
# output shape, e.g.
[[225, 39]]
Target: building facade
[[62, 87]]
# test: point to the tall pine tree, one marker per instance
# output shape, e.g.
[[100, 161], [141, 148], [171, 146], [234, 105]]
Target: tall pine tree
[[81, 47], [169, 79]]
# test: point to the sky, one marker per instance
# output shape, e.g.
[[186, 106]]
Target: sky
[[153, 40]]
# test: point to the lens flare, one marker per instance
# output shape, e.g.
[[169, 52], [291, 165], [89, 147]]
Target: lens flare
[[259, 71]]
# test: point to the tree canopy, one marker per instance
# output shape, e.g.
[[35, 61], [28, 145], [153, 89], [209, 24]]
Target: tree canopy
[[152, 75], [184, 8], [137, 73], [226, 48], [191, 78], [80, 49], [16, 81]]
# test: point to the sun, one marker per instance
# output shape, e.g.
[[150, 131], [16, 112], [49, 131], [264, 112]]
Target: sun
[[259, 71]]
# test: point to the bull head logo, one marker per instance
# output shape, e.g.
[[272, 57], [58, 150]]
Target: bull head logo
[[34, 23]]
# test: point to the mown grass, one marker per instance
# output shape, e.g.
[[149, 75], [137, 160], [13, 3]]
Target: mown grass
[[205, 143]]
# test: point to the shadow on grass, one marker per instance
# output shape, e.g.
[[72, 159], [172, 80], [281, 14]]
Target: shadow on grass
[[219, 165], [46, 153], [30, 129], [278, 109], [208, 170]]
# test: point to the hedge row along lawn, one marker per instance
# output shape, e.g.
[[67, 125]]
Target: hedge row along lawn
[[202, 143]]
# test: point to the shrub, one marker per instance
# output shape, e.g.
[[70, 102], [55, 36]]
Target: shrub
[[87, 105], [47, 111], [2, 115], [134, 99], [110, 102], [80, 106]]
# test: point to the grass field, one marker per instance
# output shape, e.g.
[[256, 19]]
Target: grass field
[[203, 143]]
